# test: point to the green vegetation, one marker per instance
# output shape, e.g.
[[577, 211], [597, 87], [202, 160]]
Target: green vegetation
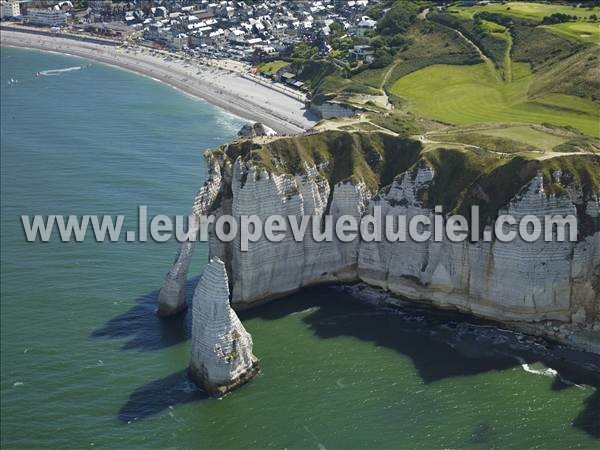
[[529, 10], [580, 31], [399, 17], [492, 44], [511, 62], [372, 157], [580, 24], [393, 122], [496, 94], [431, 43], [473, 165], [577, 76], [470, 94], [539, 47], [541, 140], [465, 178], [272, 67]]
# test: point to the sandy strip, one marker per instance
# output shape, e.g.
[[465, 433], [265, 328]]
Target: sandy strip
[[230, 91]]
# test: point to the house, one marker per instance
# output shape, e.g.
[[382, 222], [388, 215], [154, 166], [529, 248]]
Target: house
[[9, 9], [196, 38], [363, 53], [288, 78], [66, 6], [280, 31], [159, 11], [235, 35], [180, 41], [49, 17], [217, 37], [364, 25]]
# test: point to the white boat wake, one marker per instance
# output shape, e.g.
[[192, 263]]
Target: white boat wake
[[56, 72]]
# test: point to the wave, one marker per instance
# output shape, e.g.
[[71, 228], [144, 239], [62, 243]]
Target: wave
[[547, 372]]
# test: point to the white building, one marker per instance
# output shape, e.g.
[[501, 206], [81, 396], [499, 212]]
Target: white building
[[365, 24], [9, 9], [180, 41], [49, 17]]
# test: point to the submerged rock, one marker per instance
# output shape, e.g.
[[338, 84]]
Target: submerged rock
[[222, 356]]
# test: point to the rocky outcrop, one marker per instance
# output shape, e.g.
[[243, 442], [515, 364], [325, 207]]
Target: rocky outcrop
[[222, 356], [171, 298], [255, 129], [514, 281]]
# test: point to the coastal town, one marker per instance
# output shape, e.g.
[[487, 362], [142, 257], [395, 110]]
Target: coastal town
[[258, 40], [241, 30]]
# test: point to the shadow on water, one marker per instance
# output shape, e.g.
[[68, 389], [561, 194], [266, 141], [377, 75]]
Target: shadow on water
[[433, 340], [144, 329], [159, 395], [433, 356], [588, 420], [435, 343]]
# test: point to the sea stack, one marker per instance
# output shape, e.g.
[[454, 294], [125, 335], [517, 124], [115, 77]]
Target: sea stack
[[222, 356]]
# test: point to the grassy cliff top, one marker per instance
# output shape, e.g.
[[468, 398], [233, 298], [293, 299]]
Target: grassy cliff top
[[473, 165], [371, 157]]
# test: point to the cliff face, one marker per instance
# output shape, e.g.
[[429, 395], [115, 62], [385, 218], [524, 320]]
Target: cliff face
[[261, 273], [515, 281]]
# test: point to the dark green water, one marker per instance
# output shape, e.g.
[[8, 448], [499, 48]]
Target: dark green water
[[86, 363]]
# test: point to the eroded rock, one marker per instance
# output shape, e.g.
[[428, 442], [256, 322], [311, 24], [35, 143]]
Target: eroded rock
[[222, 356]]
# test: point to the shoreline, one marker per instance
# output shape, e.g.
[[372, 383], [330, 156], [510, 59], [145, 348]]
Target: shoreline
[[231, 92]]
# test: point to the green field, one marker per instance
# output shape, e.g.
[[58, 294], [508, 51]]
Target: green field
[[581, 31], [272, 67], [527, 135], [471, 94], [527, 10]]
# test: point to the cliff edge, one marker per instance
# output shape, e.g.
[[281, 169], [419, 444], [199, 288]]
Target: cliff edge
[[349, 173]]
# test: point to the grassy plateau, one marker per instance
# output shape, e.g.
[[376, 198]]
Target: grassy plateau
[[471, 94]]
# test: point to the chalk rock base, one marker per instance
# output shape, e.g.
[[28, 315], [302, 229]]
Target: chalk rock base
[[220, 390]]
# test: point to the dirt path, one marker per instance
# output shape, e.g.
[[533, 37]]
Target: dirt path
[[507, 60], [386, 77]]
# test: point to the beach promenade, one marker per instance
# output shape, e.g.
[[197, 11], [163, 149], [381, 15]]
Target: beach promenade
[[227, 89]]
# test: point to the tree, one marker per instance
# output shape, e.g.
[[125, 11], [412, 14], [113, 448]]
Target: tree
[[558, 18], [304, 51], [400, 16], [382, 58]]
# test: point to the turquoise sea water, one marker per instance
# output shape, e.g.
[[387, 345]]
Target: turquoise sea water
[[86, 363]]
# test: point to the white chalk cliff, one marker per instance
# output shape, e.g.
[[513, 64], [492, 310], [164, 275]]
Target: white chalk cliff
[[222, 356], [514, 281], [171, 298]]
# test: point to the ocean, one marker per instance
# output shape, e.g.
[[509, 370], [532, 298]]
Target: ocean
[[86, 363]]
